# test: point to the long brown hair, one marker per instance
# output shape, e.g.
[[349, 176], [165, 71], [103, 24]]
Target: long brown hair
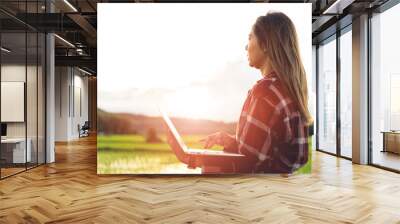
[[276, 33]]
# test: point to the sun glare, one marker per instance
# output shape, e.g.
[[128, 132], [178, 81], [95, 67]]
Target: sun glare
[[194, 67], [189, 102]]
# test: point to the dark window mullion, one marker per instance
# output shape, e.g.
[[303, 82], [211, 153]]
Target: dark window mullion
[[37, 90], [338, 74], [73, 92], [0, 95], [317, 96], [45, 88], [369, 96], [26, 86]]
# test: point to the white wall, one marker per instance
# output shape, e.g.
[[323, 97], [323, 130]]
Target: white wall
[[71, 94], [61, 103], [33, 126], [12, 73]]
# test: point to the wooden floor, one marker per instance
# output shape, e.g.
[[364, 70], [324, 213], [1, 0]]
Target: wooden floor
[[10, 171], [69, 191], [387, 159]]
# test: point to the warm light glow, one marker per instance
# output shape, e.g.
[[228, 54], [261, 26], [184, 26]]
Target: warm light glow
[[189, 102], [190, 58], [5, 50], [70, 5], [84, 71], [64, 40]]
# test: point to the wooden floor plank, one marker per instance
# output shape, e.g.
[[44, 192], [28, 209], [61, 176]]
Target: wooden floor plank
[[70, 191]]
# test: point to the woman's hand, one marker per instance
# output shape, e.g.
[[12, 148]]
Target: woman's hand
[[219, 138]]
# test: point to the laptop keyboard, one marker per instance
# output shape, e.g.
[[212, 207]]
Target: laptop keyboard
[[207, 151], [198, 151]]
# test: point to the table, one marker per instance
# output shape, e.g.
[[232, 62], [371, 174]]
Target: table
[[13, 150], [391, 141]]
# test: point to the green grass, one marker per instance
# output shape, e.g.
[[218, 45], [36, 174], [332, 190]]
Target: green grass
[[307, 168], [138, 142], [131, 154], [125, 162]]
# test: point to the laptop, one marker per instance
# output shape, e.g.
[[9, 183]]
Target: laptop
[[183, 152]]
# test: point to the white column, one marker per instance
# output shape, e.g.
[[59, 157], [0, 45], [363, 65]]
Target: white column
[[50, 109], [50, 91], [360, 90]]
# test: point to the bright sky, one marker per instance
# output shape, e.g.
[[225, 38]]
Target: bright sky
[[188, 58]]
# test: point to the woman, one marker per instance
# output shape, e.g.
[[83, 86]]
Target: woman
[[272, 131]]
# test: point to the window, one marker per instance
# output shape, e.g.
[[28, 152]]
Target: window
[[385, 89], [327, 96], [312, 93], [22, 74], [346, 93]]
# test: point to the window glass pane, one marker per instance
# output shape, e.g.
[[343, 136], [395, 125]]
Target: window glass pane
[[312, 89], [31, 97], [22, 88], [14, 153], [385, 89], [327, 96], [346, 94], [41, 98]]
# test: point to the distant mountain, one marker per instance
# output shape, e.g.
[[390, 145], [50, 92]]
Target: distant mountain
[[126, 123]]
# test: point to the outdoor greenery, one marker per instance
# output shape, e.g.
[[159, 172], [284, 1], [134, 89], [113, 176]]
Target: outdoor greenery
[[131, 154]]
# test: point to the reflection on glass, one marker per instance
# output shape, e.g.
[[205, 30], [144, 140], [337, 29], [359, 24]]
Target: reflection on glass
[[22, 92], [346, 94], [394, 101], [31, 101], [385, 87], [14, 153], [327, 96], [41, 97], [312, 89]]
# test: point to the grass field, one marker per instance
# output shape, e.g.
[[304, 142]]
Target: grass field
[[131, 154]]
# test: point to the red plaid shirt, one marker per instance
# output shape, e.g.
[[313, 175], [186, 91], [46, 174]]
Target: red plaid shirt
[[270, 131]]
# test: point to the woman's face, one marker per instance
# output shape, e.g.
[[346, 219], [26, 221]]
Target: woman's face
[[255, 54]]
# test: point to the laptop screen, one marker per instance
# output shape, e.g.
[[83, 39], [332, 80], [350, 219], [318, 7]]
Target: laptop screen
[[175, 133]]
